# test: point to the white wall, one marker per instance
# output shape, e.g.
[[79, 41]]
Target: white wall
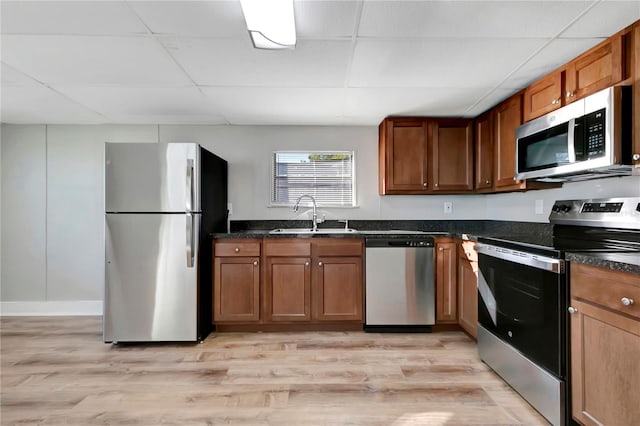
[[52, 198], [520, 206]]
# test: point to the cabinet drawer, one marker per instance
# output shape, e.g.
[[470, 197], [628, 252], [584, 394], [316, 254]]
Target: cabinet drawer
[[606, 288], [289, 247], [338, 247], [237, 248]]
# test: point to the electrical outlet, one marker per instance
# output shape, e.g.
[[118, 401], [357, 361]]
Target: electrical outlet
[[448, 207], [539, 207], [230, 208]]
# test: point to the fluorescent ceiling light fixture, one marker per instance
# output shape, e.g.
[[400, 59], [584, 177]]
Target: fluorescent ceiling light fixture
[[271, 23]]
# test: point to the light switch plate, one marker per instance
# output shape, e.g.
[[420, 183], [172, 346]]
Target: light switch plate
[[539, 207]]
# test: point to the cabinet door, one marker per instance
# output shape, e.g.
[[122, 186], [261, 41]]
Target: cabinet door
[[403, 156], [446, 283], [484, 151], [543, 96], [508, 116], [236, 289], [337, 287], [595, 70], [467, 291], [605, 380], [635, 156], [287, 289], [452, 155]]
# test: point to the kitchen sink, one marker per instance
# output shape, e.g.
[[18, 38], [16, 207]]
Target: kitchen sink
[[312, 232]]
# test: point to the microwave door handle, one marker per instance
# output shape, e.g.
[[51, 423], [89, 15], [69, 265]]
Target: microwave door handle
[[571, 149]]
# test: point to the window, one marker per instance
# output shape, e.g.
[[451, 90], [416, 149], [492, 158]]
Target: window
[[327, 176]]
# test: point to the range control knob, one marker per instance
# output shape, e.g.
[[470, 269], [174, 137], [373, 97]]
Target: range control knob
[[565, 208]]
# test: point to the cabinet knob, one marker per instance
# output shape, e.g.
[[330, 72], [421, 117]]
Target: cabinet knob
[[436, 185], [306, 263], [570, 94], [487, 181], [255, 263], [636, 157], [424, 184], [237, 250], [572, 310], [319, 263], [555, 101], [440, 249], [626, 301]]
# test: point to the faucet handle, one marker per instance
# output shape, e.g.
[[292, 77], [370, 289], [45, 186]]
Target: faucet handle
[[321, 219], [346, 223]]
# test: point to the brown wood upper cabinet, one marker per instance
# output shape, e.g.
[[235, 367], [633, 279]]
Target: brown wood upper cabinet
[[595, 70], [424, 156], [543, 96], [452, 155], [484, 152], [506, 119], [605, 343]]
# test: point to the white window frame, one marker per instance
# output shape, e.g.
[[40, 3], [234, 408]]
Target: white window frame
[[272, 177]]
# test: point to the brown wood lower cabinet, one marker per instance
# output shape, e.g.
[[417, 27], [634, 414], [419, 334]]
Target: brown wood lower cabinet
[[304, 281], [287, 290], [468, 287], [446, 281], [337, 286], [236, 281], [605, 345]]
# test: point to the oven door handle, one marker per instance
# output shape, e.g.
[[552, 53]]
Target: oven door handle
[[534, 260]]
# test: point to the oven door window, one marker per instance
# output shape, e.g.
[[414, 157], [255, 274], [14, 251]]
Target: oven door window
[[547, 148], [523, 306]]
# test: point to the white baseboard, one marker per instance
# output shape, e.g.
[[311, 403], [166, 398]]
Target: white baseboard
[[51, 308]]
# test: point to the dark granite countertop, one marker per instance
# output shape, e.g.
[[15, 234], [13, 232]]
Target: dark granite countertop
[[532, 234], [625, 262]]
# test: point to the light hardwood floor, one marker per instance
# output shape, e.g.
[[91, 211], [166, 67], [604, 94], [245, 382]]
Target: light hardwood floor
[[57, 370]]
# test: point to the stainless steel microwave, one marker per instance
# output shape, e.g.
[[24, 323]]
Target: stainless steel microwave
[[586, 139]]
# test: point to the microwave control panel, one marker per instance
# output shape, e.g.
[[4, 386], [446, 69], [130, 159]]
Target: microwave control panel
[[595, 129]]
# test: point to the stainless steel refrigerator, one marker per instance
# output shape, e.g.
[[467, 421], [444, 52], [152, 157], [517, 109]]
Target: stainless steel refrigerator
[[162, 202]]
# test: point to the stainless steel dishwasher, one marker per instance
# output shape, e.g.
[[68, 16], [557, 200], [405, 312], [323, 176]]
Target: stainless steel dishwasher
[[400, 283]]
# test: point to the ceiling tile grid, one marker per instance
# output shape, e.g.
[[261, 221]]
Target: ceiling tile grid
[[355, 62]]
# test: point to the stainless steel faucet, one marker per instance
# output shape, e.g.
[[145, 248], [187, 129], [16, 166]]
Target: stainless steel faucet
[[314, 219]]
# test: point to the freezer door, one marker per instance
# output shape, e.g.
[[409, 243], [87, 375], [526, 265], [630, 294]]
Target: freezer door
[[152, 177], [151, 277]]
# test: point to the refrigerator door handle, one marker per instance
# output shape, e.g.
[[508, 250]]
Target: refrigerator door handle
[[190, 240], [190, 194]]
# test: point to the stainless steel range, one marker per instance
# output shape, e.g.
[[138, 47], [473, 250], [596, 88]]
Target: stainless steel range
[[523, 288]]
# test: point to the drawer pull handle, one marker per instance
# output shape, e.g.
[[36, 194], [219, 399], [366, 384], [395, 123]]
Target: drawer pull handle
[[572, 310], [626, 301], [237, 250]]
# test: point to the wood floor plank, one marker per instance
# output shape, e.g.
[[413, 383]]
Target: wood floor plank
[[57, 371]]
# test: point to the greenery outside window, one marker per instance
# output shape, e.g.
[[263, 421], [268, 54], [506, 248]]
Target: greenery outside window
[[328, 176]]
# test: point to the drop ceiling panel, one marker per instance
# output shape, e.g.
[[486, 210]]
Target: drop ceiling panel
[[69, 17], [38, 104], [377, 103], [454, 63], [320, 19], [13, 77], [92, 60], [193, 18], [554, 55], [489, 100], [468, 18], [218, 62], [284, 105], [147, 105], [605, 19]]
